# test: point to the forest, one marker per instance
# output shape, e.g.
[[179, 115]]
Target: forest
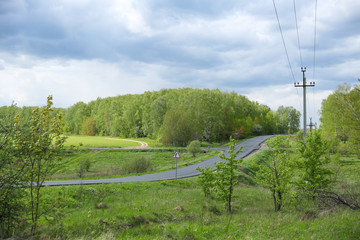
[[175, 116]]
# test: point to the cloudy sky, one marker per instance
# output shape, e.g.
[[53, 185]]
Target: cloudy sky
[[78, 50]]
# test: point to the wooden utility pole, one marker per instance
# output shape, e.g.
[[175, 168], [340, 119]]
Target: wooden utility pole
[[304, 85]]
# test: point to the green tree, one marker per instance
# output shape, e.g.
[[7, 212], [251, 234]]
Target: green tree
[[12, 171], [39, 147], [288, 119], [225, 177], [227, 174], [207, 180], [294, 120], [194, 147], [340, 115], [89, 127], [157, 113], [75, 116], [177, 129], [274, 172], [312, 163]]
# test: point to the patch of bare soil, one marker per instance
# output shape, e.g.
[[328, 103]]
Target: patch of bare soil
[[142, 144]]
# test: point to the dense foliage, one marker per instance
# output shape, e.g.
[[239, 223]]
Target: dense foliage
[[340, 115], [29, 150], [274, 172], [176, 116]]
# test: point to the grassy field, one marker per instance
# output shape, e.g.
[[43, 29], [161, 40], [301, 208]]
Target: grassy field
[[150, 210], [110, 162], [98, 142], [147, 211]]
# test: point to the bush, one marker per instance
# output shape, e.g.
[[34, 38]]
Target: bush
[[84, 166], [194, 147], [137, 165]]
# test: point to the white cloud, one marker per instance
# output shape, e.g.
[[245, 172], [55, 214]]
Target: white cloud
[[288, 95], [80, 50], [74, 81]]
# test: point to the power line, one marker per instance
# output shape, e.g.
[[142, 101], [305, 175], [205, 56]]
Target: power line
[[282, 37], [287, 55], [315, 40], [314, 58], [297, 31]]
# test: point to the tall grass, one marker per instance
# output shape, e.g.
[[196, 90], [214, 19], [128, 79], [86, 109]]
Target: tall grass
[[147, 211], [179, 210]]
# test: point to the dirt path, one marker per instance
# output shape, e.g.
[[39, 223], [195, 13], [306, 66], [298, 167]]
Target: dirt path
[[142, 144]]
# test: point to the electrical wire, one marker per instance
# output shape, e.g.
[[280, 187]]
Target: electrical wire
[[282, 37], [286, 52], [297, 31], [298, 38], [314, 58]]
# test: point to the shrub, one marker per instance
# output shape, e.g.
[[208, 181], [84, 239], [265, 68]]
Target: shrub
[[137, 165], [84, 166], [194, 147]]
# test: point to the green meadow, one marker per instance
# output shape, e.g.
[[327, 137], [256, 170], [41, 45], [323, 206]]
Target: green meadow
[[179, 210], [98, 142], [111, 162]]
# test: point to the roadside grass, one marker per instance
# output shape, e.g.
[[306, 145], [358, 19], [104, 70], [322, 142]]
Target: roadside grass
[[146, 210], [350, 165], [98, 142], [110, 163]]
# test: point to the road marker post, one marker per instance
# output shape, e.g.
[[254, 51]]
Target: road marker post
[[176, 155]]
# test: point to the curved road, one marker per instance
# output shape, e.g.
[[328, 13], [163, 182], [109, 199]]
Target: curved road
[[249, 146]]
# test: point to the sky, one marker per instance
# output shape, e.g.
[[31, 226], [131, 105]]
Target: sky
[[84, 49]]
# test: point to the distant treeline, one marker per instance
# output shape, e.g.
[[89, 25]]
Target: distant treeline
[[176, 116]]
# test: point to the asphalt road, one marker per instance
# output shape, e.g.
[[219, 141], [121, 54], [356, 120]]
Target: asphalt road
[[249, 146]]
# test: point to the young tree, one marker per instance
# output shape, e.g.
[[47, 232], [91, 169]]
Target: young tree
[[223, 180], [194, 147], [11, 177], [275, 173], [314, 175], [227, 173], [39, 146], [206, 179]]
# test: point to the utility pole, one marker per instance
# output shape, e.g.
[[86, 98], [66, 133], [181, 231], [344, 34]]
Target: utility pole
[[311, 125], [304, 85]]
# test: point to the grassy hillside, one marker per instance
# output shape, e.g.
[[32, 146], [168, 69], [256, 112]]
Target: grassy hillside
[[179, 210], [111, 162], [147, 211]]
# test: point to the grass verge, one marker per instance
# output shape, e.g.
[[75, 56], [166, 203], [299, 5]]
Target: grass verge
[[111, 162], [152, 211]]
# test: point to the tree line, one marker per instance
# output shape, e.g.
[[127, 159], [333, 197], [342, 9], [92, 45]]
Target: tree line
[[175, 116], [340, 116]]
